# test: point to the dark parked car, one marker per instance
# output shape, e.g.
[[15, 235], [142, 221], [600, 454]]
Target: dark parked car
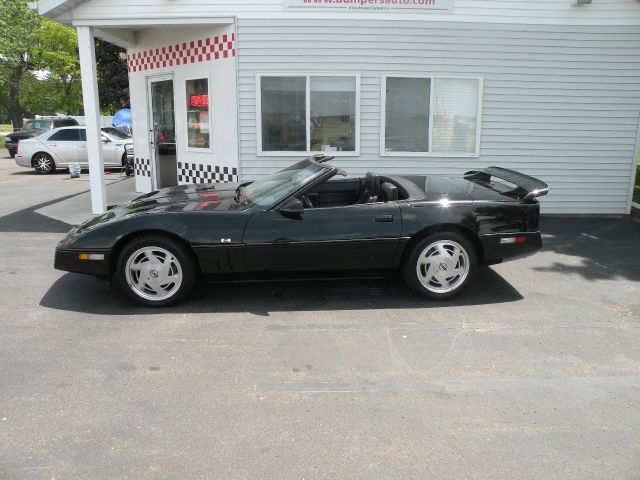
[[33, 128], [436, 230]]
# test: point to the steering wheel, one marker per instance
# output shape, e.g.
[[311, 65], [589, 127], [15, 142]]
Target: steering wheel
[[306, 201]]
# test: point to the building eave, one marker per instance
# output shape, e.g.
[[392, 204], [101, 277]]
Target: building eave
[[55, 8]]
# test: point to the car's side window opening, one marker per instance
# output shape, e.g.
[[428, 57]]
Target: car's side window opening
[[66, 135], [353, 191]]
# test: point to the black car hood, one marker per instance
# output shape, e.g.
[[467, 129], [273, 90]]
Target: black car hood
[[22, 134], [205, 196], [184, 198]]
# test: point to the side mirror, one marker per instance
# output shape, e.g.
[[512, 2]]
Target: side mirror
[[105, 140], [292, 209]]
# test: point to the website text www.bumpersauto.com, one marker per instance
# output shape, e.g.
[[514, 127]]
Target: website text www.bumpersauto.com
[[371, 3]]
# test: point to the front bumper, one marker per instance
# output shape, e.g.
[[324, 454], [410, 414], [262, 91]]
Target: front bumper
[[69, 261], [497, 252]]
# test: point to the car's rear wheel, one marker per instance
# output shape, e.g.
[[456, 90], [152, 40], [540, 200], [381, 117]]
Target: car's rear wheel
[[43, 163], [156, 271], [441, 265]]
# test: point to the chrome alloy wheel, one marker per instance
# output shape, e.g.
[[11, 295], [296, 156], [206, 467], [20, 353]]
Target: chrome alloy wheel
[[153, 273], [43, 163], [442, 266]]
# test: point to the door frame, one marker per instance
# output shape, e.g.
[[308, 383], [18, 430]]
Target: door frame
[[286, 242], [151, 79]]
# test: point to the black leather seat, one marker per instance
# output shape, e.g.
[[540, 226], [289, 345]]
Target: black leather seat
[[371, 190], [388, 192]]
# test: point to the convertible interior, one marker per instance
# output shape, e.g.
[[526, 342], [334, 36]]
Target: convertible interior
[[350, 191]]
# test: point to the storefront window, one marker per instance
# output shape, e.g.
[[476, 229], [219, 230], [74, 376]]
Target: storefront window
[[333, 114], [431, 115], [308, 114], [283, 114], [455, 115], [407, 115], [198, 134]]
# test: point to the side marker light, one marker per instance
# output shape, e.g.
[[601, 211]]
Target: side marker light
[[91, 256]]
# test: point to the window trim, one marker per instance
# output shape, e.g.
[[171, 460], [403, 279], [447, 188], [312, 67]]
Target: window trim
[[186, 115], [307, 75], [432, 77]]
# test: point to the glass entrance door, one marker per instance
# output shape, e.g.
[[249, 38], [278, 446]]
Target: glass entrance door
[[163, 131]]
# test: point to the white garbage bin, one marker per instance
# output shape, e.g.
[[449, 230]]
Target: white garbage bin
[[74, 170]]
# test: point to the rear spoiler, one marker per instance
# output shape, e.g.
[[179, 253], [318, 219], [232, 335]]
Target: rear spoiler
[[529, 187]]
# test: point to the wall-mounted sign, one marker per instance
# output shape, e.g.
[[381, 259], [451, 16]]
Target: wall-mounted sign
[[364, 6], [199, 100]]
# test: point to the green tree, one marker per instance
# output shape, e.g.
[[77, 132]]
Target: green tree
[[38, 63], [113, 78]]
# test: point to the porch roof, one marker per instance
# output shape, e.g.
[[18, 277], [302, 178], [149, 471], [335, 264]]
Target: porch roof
[[55, 8]]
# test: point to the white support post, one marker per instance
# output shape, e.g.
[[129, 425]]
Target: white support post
[[86, 48]]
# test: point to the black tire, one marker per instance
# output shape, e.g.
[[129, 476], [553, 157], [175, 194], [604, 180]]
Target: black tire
[[148, 273], [128, 168], [455, 262], [43, 163]]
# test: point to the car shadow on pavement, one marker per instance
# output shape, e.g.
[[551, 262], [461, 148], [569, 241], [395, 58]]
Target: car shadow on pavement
[[604, 247], [80, 293]]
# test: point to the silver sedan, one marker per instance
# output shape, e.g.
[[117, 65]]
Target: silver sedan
[[60, 147]]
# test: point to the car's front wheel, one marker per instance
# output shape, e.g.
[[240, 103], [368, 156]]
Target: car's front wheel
[[43, 163], [441, 265], [156, 271]]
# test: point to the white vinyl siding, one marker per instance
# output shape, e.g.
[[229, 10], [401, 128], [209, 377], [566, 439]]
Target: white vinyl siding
[[560, 103], [600, 12]]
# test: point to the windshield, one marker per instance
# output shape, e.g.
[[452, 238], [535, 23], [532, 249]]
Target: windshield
[[275, 187], [115, 133], [37, 125]]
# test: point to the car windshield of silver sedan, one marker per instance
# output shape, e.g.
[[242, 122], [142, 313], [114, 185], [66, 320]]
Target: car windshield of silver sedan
[[275, 187], [116, 134]]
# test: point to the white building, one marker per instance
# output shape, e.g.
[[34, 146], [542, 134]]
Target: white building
[[223, 89]]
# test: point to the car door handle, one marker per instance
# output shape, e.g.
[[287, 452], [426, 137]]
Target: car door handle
[[53, 144], [82, 146], [384, 218]]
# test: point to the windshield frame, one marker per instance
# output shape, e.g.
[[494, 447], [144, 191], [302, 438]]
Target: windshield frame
[[325, 172], [107, 132]]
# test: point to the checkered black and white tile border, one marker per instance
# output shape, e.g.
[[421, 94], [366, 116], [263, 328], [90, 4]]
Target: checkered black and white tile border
[[199, 173], [142, 167], [195, 51]]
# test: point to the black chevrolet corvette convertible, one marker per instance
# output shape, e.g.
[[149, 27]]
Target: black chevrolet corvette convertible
[[302, 222]]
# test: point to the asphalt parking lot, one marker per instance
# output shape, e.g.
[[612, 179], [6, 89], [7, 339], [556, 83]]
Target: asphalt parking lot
[[533, 373]]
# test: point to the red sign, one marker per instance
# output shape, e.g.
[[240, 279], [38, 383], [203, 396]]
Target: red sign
[[199, 100]]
